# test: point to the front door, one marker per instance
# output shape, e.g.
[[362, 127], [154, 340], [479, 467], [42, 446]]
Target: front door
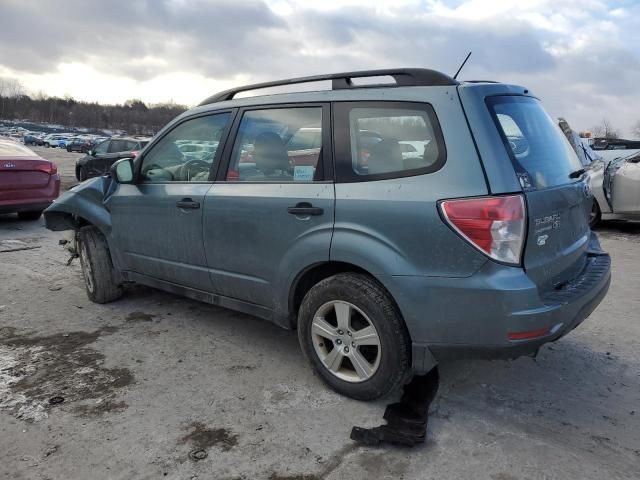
[[157, 223], [270, 214], [95, 167]]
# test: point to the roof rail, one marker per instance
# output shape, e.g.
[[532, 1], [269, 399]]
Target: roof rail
[[404, 77]]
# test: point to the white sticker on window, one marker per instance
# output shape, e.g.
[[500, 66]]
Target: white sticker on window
[[303, 173]]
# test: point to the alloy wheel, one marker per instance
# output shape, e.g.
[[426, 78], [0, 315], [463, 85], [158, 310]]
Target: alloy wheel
[[346, 341]]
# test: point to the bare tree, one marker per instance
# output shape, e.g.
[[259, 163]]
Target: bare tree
[[605, 130]]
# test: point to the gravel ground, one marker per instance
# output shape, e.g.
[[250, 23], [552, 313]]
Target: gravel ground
[[144, 381]]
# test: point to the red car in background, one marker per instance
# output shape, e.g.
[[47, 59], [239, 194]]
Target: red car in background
[[28, 182]]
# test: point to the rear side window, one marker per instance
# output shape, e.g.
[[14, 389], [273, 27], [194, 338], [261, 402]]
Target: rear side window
[[381, 140], [541, 154], [117, 146], [130, 145], [279, 146]]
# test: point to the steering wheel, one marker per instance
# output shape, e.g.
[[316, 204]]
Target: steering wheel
[[199, 165]]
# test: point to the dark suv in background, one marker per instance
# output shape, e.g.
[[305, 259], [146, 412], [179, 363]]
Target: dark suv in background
[[100, 158], [79, 144]]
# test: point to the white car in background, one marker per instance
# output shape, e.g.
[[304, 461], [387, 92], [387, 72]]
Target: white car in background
[[54, 140], [614, 176]]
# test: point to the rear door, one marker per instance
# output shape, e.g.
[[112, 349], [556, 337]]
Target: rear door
[[271, 212], [557, 192], [95, 166]]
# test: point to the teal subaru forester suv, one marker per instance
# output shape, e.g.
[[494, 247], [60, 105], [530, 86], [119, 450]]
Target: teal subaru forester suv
[[394, 222]]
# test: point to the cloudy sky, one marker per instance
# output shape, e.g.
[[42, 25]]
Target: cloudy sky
[[582, 57]]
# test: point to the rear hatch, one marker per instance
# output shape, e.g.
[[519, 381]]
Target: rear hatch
[[557, 193]]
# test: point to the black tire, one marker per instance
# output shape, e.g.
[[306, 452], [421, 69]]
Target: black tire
[[30, 215], [596, 214], [47, 145], [82, 174], [69, 150], [100, 277], [364, 293]]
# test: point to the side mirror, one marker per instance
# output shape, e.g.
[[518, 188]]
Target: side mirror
[[122, 170]]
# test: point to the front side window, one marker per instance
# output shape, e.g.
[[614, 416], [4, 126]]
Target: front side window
[[101, 148], [187, 153], [388, 140], [278, 145]]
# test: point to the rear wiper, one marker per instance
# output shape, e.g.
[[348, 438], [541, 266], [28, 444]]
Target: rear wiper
[[577, 173]]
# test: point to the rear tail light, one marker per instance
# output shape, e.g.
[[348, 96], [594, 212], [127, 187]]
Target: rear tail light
[[49, 168], [493, 225]]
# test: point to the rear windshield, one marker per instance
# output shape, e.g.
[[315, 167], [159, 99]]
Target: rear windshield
[[541, 154]]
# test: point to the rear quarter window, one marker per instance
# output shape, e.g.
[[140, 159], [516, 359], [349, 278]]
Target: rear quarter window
[[541, 155], [384, 140]]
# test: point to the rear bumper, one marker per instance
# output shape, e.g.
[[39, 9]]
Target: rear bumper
[[472, 317], [30, 200]]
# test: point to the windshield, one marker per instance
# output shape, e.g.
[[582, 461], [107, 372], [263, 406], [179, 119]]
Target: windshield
[[541, 154]]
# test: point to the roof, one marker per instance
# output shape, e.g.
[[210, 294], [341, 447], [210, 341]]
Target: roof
[[403, 77]]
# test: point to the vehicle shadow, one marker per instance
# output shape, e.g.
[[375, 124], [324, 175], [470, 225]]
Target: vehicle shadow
[[11, 222], [618, 228]]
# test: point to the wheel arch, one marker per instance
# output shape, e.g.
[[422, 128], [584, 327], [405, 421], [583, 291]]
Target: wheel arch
[[80, 206], [317, 272]]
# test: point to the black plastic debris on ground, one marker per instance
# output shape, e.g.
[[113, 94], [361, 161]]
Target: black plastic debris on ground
[[407, 419]]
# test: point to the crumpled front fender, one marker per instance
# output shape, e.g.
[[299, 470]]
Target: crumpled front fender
[[80, 205]]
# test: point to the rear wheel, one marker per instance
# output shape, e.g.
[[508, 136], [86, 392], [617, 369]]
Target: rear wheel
[[353, 335], [97, 267], [30, 215]]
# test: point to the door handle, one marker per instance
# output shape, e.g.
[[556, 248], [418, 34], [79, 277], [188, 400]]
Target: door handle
[[188, 203], [305, 208]]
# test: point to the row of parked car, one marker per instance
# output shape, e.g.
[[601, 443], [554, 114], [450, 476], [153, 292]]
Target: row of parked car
[[70, 142]]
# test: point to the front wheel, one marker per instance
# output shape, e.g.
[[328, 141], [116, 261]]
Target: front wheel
[[97, 267], [82, 174], [47, 145], [354, 337]]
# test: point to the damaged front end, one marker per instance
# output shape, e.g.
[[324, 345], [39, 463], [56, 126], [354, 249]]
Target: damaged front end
[[81, 205]]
